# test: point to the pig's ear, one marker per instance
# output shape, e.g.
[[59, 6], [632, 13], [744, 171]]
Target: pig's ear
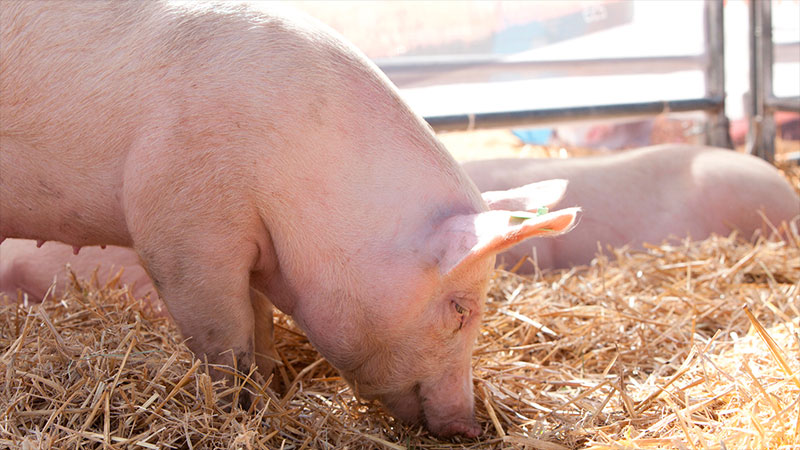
[[465, 239], [527, 198]]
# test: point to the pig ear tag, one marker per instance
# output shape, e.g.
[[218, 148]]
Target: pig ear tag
[[517, 217]]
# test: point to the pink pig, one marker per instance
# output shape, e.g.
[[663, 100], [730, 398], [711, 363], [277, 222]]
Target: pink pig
[[250, 154], [33, 270], [645, 195]]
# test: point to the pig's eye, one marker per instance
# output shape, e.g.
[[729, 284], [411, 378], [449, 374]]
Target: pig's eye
[[463, 313]]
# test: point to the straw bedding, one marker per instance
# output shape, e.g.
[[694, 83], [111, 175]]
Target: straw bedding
[[642, 349]]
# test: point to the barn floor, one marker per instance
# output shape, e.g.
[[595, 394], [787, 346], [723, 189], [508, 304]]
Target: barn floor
[[693, 345]]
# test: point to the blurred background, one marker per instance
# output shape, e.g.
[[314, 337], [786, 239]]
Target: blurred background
[[454, 58]]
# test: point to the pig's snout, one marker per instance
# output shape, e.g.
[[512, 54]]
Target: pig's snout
[[461, 427], [448, 402], [443, 422], [443, 418], [451, 417]]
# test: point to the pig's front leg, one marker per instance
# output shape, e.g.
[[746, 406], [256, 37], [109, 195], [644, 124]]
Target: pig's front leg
[[209, 300], [191, 217], [202, 273]]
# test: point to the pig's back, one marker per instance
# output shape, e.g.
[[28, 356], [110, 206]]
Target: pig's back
[[87, 77], [92, 89]]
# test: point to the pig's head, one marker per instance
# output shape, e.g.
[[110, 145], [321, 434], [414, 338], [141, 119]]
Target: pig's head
[[408, 340]]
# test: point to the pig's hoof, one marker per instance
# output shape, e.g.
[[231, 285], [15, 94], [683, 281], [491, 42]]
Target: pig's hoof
[[469, 429]]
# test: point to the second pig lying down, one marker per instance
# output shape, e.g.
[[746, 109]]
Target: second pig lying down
[[33, 271], [645, 196]]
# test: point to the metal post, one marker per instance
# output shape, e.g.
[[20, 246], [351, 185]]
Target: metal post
[[718, 127], [753, 113], [761, 125], [765, 64], [752, 110]]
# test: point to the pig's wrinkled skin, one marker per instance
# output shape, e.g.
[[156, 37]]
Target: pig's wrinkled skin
[[249, 155], [646, 195]]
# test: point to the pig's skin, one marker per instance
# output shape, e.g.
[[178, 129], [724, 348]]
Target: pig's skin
[[243, 154], [646, 195]]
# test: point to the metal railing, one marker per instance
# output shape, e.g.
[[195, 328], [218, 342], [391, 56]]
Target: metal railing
[[417, 71], [762, 102], [530, 117]]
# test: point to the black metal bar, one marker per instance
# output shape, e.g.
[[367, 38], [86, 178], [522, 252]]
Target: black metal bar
[[506, 119]]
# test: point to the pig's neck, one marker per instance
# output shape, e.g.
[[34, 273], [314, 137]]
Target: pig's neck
[[367, 183]]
